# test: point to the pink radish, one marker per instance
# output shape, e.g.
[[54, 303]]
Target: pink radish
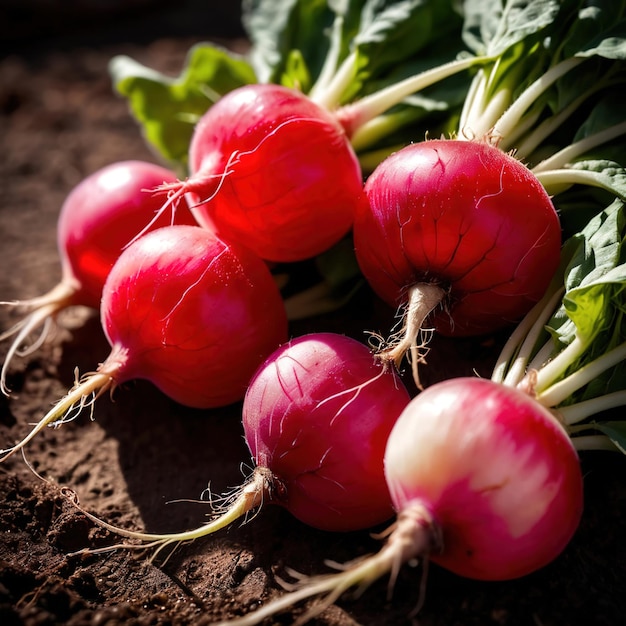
[[316, 418], [485, 482], [273, 170], [190, 313], [460, 233], [99, 217]]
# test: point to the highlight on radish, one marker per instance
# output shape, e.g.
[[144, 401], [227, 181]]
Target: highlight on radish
[[485, 482], [99, 217], [189, 312], [460, 236], [271, 169], [316, 418]]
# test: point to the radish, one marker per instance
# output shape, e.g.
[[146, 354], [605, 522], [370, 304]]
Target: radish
[[189, 312], [99, 217], [485, 482], [461, 234], [316, 418], [273, 170]]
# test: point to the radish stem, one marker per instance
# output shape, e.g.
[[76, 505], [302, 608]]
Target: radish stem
[[509, 120], [530, 328], [554, 394], [574, 413], [356, 114], [568, 154]]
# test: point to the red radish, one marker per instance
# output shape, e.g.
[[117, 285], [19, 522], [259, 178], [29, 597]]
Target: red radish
[[485, 481], [190, 313], [461, 233], [99, 217], [273, 170], [316, 418], [318, 415]]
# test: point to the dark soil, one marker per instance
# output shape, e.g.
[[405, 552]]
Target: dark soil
[[59, 121]]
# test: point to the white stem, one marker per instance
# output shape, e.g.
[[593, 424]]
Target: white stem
[[473, 99], [574, 413], [521, 331], [569, 154], [507, 122], [543, 355], [552, 370], [484, 123], [551, 124], [519, 366], [556, 181], [555, 394], [368, 107], [330, 97], [594, 442], [508, 142], [329, 68]]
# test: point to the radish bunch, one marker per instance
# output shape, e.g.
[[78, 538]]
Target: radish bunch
[[458, 235]]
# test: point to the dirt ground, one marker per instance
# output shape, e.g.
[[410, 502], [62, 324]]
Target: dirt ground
[[59, 121]]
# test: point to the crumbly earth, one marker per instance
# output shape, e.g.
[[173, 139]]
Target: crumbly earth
[[144, 461]]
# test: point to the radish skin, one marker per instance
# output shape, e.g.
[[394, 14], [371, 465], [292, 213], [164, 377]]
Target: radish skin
[[318, 415], [187, 311], [271, 169], [485, 481], [99, 217]]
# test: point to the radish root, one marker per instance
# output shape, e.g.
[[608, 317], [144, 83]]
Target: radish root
[[423, 299], [84, 393], [260, 487], [412, 536], [39, 313]]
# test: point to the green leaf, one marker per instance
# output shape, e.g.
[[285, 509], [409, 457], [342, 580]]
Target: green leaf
[[167, 108], [278, 27], [599, 30], [600, 252], [392, 36], [296, 75], [595, 281], [615, 431], [491, 27]]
